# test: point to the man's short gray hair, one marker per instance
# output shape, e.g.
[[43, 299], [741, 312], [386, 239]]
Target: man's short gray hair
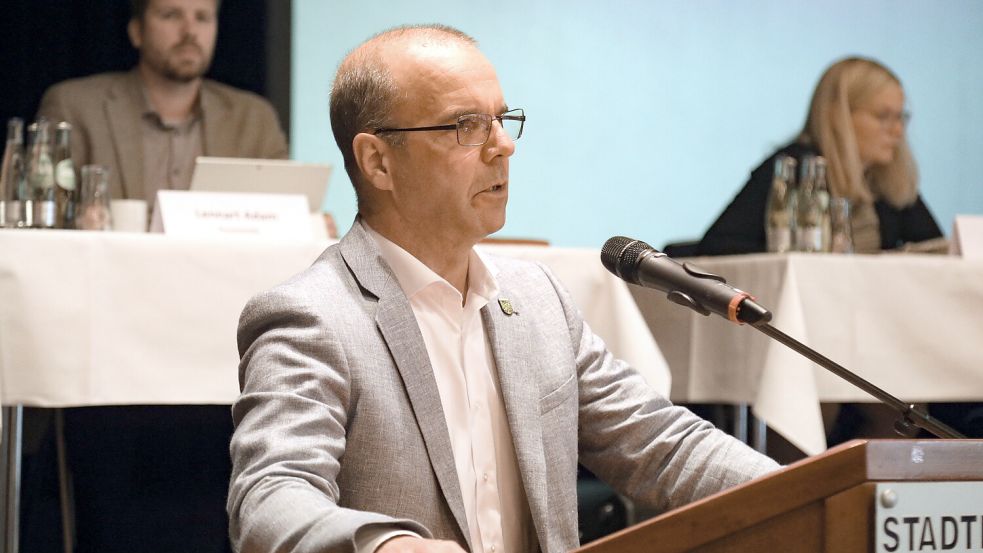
[[364, 92]]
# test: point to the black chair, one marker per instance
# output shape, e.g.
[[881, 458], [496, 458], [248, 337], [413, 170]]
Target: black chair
[[689, 248], [600, 510]]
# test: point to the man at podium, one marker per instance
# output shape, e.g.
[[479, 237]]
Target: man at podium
[[408, 393]]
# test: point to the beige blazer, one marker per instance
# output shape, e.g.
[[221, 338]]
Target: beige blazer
[[105, 111], [339, 425]]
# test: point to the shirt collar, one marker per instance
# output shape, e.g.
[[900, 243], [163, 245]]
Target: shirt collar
[[413, 275], [150, 112]]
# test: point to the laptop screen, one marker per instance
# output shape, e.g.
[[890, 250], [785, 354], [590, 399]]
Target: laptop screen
[[268, 176]]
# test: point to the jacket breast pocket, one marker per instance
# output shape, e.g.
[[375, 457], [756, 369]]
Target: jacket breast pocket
[[562, 393]]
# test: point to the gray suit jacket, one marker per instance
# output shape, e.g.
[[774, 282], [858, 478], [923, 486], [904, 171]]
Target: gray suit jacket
[[105, 111], [339, 425]]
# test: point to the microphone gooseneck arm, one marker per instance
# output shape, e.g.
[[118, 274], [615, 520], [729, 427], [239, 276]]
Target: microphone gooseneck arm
[[638, 263], [911, 418]]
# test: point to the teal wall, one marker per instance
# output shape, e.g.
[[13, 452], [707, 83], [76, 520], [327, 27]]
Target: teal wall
[[645, 116]]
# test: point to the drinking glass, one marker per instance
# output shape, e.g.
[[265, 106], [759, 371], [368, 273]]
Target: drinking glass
[[94, 212], [841, 232]]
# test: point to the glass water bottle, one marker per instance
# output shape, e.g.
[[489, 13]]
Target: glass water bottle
[[809, 212], [780, 210], [821, 190], [66, 189], [41, 175], [12, 175]]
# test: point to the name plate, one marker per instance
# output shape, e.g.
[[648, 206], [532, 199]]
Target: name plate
[[929, 516], [197, 214]]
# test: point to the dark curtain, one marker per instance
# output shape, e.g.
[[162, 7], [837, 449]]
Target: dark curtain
[[43, 42]]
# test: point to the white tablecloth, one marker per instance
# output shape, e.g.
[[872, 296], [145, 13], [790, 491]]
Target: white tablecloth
[[911, 324], [113, 318]]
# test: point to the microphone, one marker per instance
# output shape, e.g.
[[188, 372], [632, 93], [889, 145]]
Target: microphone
[[638, 263]]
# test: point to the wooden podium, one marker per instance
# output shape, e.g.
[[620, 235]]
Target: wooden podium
[[823, 503]]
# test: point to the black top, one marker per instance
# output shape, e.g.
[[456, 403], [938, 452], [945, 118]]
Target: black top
[[741, 227]]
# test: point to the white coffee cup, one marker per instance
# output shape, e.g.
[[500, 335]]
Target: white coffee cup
[[129, 215]]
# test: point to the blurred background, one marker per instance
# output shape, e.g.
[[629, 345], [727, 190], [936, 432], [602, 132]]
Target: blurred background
[[646, 117]]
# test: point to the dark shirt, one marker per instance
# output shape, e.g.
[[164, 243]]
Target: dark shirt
[[741, 227]]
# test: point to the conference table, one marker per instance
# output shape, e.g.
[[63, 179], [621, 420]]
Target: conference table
[[90, 318], [909, 323]]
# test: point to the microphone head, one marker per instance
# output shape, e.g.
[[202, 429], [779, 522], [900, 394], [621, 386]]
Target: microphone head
[[621, 256]]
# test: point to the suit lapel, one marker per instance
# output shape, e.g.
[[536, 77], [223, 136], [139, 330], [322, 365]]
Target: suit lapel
[[217, 136], [508, 336], [124, 106], [401, 333]]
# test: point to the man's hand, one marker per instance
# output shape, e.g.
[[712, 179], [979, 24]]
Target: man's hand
[[413, 544]]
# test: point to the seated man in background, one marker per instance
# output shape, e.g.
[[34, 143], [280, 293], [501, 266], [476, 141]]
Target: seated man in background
[[408, 393], [150, 123]]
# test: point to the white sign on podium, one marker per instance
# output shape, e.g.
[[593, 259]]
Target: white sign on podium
[[198, 214], [929, 516]]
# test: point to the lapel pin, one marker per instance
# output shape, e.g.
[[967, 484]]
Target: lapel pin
[[506, 306]]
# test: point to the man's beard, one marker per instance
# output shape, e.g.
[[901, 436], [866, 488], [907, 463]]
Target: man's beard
[[172, 70], [184, 74]]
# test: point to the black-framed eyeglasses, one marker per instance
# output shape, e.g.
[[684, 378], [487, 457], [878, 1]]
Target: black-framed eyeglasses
[[474, 129]]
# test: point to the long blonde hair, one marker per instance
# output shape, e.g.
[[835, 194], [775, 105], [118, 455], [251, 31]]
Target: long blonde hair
[[846, 85]]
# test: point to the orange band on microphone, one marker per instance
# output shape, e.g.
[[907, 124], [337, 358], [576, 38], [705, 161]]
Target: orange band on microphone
[[733, 306]]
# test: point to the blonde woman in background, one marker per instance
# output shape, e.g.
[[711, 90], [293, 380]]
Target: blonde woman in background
[[857, 121]]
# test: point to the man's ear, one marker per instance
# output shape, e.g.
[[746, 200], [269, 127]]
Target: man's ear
[[134, 29], [374, 158]]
